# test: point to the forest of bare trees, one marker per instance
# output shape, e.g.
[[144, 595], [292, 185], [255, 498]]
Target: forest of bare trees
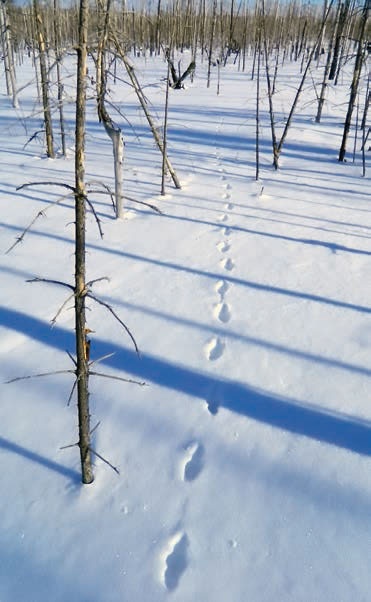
[[317, 37]]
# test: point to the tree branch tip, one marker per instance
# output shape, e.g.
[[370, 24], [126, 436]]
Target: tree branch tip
[[70, 445], [104, 460]]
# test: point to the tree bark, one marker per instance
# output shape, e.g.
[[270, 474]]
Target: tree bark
[[82, 359], [44, 82], [355, 80]]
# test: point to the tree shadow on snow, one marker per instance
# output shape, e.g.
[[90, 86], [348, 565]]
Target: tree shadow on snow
[[288, 414], [14, 448]]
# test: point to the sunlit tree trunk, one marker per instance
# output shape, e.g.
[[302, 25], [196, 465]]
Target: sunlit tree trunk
[[82, 358], [8, 54]]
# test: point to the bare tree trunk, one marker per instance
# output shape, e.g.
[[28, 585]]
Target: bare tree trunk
[[270, 91], [82, 359], [44, 81], [8, 55], [367, 105], [321, 100], [164, 142], [300, 88], [355, 80], [341, 17], [257, 114], [211, 43], [133, 78], [58, 58]]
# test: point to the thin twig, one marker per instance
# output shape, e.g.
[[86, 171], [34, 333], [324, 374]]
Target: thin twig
[[34, 135], [95, 215], [72, 392], [21, 237], [68, 186], [88, 294], [91, 282], [54, 319], [100, 359], [125, 380], [13, 380], [71, 357], [71, 445], [104, 460], [95, 427], [39, 214], [59, 282], [144, 203]]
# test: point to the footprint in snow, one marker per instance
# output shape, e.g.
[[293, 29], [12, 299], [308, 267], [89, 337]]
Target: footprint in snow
[[223, 246], [213, 400], [229, 206], [212, 406], [193, 461], [223, 217], [174, 560], [221, 288], [223, 312], [214, 349], [227, 264]]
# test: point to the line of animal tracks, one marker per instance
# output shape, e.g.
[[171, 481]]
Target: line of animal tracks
[[215, 347], [175, 553]]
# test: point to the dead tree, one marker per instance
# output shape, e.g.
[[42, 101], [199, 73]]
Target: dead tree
[[58, 58], [41, 40], [112, 129], [341, 17], [8, 54], [143, 103], [361, 51], [82, 359]]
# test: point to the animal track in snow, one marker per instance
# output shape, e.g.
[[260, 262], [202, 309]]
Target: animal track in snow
[[223, 312], [214, 349], [221, 288], [212, 406], [227, 264], [223, 246], [175, 560], [223, 217], [226, 195], [193, 461], [227, 186], [229, 206], [227, 231]]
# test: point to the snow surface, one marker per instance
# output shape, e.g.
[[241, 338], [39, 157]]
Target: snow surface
[[244, 463]]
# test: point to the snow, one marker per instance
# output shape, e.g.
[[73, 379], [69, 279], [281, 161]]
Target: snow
[[245, 460]]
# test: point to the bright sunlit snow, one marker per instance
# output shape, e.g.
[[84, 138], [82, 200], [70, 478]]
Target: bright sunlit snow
[[244, 462]]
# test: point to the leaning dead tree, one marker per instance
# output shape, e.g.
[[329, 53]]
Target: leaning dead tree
[[143, 103], [112, 129]]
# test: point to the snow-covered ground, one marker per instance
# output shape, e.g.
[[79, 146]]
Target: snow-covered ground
[[245, 471]]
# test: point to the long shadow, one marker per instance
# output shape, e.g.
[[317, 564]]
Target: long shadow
[[274, 220], [252, 341], [213, 275], [287, 414], [333, 247], [38, 459]]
